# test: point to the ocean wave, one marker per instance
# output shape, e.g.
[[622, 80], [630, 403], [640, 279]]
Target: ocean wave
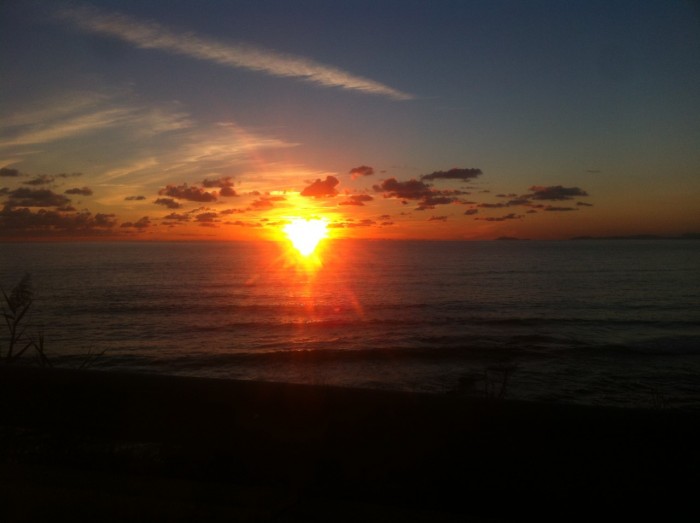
[[319, 322], [666, 345], [194, 360], [427, 348]]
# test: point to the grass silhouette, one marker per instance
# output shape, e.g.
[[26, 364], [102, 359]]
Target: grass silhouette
[[15, 312], [18, 340]]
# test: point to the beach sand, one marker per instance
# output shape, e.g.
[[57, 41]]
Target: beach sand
[[107, 446]]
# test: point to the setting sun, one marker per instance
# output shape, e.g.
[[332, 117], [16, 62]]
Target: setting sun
[[305, 234]]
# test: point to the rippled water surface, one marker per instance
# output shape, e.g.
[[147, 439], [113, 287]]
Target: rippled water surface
[[603, 322]]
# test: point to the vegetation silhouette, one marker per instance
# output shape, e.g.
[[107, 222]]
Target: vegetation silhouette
[[18, 342], [15, 312]]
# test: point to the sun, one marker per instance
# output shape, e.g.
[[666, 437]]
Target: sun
[[305, 234]]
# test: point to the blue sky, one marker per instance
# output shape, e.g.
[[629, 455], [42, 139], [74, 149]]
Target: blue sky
[[581, 118]]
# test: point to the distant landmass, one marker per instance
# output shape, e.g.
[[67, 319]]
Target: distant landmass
[[687, 236]]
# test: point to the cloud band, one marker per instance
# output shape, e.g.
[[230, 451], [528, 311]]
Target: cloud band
[[149, 35]]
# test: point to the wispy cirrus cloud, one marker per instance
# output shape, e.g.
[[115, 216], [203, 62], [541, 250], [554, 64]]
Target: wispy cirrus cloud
[[78, 124], [150, 35], [62, 118], [202, 152], [147, 146]]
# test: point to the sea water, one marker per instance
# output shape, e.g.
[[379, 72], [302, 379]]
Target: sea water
[[591, 321]]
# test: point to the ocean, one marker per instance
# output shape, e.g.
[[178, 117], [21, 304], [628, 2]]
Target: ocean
[[599, 322]]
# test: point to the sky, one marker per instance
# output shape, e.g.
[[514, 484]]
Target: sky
[[452, 120]]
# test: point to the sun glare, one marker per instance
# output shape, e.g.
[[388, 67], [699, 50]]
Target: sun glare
[[305, 234]]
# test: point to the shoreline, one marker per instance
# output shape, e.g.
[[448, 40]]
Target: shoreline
[[326, 447]]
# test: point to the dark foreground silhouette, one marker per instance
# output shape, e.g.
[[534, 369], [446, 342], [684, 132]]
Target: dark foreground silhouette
[[110, 446]]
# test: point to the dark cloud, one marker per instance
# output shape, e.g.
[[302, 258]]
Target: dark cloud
[[413, 189], [437, 219], [262, 204], [207, 217], [470, 212], [134, 198], [362, 223], [224, 183], [499, 218], [357, 199], [553, 208], [501, 205], [555, 192], [24, 197], [278, 223], [168, 202], [552, 193], [41, 179], [453, 174], [362, 170], [185, 192], [23, 222], [6, 172], [177, 217], [83, 191], [141, 224], [227, 192], [45, 179], [321, 188], [410, 190], [584, 204], [240, 223], [429, 202], [232, 211], [105, 220]]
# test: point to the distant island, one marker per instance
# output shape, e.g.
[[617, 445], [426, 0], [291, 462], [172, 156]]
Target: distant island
[[687, 236]]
